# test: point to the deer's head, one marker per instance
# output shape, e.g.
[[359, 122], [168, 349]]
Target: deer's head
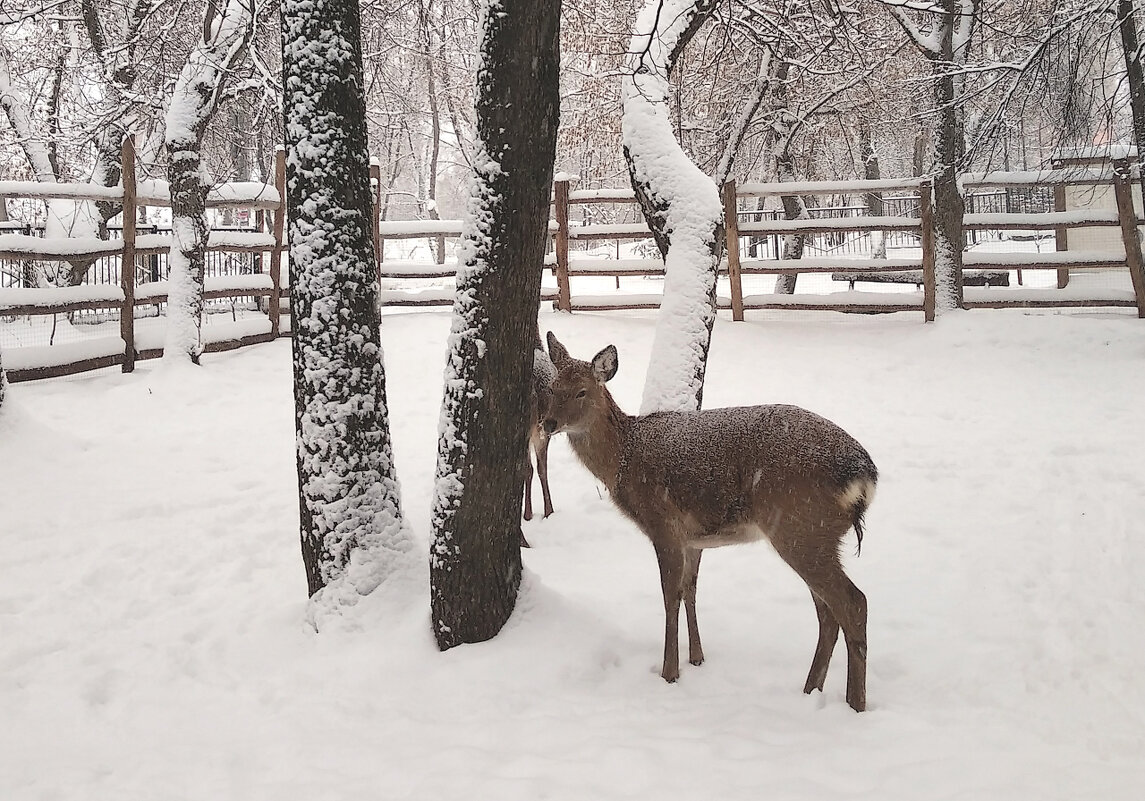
[[579, 396]]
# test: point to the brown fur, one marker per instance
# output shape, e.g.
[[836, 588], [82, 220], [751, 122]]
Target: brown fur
[[696, 480]]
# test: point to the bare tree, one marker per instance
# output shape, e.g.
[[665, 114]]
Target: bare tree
[[475, 560]]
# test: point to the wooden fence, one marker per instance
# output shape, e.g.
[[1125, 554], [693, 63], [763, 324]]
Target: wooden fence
[[566, 265], [129, 249], [740, 224]]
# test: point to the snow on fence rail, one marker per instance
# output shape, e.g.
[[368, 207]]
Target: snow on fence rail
[[981, 268], [28, 363]]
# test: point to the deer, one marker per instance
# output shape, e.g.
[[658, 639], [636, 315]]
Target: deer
[[692, 480], [536, 438]]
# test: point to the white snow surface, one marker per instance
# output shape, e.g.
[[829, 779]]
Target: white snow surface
[[153, 603]]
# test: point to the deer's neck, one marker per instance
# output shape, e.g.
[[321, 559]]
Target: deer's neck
[[601, 446]]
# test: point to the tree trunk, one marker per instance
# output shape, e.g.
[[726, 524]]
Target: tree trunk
[[948, 205], [187, 257], [194, 100], [475, 559], [794, 208], [681, 205], [3, 380], [874, 200], [350, 516], [1127, 26]]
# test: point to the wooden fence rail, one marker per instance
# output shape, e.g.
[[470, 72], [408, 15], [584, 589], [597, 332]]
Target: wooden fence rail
[[36, 302], [740, 224]]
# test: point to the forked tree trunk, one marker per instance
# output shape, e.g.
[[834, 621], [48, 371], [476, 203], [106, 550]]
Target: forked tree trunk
[[475, 559], [349, 500]]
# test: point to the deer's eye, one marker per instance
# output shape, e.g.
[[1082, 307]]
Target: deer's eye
[[581, 394]]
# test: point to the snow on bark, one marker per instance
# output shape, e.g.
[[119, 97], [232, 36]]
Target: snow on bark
[[475, 558], [351, 525], [3, 379], [194, 100], [681, 203]]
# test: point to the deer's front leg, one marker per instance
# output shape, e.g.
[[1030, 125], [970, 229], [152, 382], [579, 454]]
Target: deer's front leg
[[671, 559]]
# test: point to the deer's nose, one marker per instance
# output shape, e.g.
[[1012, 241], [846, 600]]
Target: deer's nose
[[550, 425]]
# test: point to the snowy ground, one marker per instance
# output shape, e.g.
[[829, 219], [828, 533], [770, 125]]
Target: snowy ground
[[152, 593]]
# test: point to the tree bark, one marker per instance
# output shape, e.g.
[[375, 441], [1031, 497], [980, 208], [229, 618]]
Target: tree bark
[[873, 200], [1130, 45], [350, 516], [475, 560], [681, 205]]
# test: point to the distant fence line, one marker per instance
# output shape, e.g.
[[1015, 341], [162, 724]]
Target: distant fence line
[[1028, 201]]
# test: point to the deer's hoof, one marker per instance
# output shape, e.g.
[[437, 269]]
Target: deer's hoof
[[697, 661]]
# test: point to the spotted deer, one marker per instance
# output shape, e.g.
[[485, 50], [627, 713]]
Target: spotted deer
[[696, 480]]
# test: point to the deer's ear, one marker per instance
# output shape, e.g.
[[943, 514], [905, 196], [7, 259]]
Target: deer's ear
[[557, 351], [604, 364]]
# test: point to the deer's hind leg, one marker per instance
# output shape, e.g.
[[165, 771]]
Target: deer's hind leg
[[828, 635], [814, 554]]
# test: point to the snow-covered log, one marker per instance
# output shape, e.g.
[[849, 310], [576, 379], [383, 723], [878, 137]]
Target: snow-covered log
[[193, 102], [475, 559], [680, 203], [351, 524]]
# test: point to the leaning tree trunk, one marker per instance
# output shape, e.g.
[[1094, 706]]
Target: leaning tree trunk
[[680, 203], [475, 559], [194, 101], [349, 500]]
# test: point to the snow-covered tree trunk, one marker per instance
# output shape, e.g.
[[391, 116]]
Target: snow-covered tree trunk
[[1135, 75], [349, 499], [193, 102], [873, 200], [475, 559], [3, 379], [680, 203]]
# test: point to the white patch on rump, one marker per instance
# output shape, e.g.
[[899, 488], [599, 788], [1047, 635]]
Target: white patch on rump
[[861, 489]]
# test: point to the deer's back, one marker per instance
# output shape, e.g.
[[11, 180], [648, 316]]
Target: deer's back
[[723, 471]]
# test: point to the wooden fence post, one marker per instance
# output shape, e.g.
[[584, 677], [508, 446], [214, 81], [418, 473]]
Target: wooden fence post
[[1061, 236], [561, 209], [926, 229], [1123, 192], [127, 258], [376, 215], [275, 309], [731, 230]]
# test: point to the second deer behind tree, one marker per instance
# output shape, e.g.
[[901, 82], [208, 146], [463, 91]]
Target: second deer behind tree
[[696, 480]]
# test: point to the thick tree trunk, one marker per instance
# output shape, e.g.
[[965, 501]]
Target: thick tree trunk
[[475, 560], [349, 500]]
